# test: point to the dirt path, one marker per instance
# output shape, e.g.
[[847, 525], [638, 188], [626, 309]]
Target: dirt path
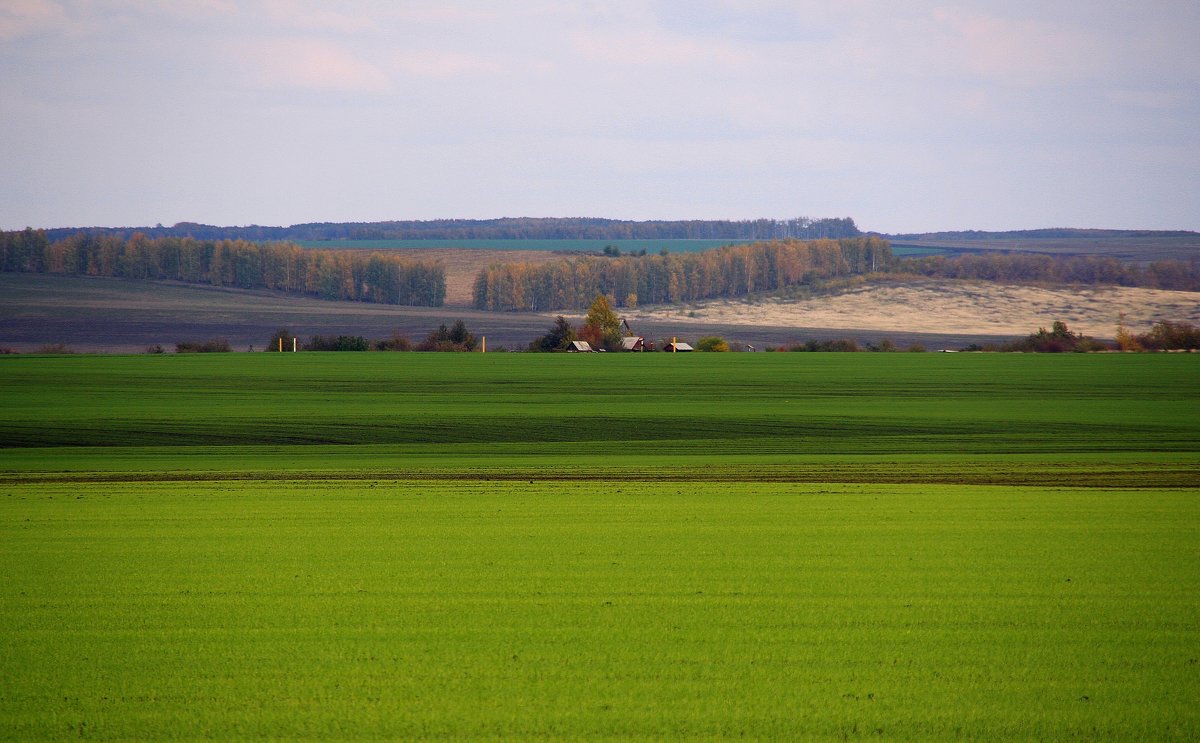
[[464, 264]]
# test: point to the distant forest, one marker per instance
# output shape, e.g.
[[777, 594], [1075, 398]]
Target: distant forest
[[1016, 268], [1053, 233], [736, 271], [385, 277], [731, 271], [522, 228], [389, 277]]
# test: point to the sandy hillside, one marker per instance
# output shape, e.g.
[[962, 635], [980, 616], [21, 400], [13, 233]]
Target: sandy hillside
[[950, 307]]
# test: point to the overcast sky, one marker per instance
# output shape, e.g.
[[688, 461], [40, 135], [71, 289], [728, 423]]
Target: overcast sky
[[907, 116]]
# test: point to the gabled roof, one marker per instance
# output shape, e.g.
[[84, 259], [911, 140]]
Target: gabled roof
[[680, 346], [580, 346], [630, 342]]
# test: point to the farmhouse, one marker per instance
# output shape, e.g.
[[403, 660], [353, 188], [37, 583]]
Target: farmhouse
[[679, 346], [579, 347], [634, 343]]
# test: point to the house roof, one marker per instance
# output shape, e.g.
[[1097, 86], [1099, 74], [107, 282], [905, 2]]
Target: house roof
[[630, 342], [581, 346], [680, 346]]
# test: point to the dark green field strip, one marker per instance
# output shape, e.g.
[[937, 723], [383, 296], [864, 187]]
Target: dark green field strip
[[718, 434], [783, 402], [668, 463], [513, 610]]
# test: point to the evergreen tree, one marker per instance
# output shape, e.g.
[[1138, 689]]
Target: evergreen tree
[[558, 339]]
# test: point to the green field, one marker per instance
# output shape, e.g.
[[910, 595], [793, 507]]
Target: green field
[[570, 246], [505, 546], [1140, 248]]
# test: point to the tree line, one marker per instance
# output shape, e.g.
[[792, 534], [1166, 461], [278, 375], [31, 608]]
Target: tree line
[[731, 271], [518, 228], [1041, 234], [1032, 267], [382, 277]]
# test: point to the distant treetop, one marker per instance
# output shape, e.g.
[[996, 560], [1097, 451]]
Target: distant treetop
[[515, 228]]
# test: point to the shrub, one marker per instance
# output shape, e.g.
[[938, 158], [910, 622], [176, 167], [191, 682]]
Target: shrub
[[835, 345], [1126, 340], [156, 348], [712, 343], [1169, 336], [456, 338], [396, 343], [216, 345], [56, 348], [337, 343], [1059, 339]]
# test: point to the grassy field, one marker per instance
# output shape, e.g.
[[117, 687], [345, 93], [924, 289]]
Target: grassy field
[[569, 246], [561, 246], [569, 414], [1148, 248], [787, 546]]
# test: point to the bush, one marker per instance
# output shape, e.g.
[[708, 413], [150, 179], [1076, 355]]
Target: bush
[[216, 345], [712, 343], [396, 343], [338, 343], [56, 348], [836, 345], [456, 338], [156, 348], [1059, 339], [1171, 336]]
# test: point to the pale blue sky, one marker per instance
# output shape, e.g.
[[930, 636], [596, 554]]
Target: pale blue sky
[[907, 116]]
